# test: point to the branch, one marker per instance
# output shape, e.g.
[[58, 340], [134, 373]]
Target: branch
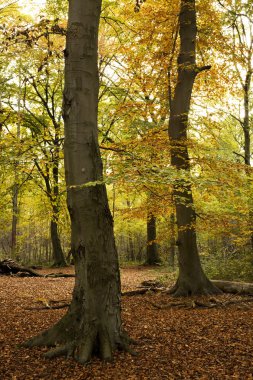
[[203, 68], [239, 155]]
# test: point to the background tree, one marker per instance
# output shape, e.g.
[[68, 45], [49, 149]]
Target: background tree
[[43, 85], [192, 279]]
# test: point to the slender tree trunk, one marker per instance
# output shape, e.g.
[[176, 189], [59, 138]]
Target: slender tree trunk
[[152, 248], [16, 187], [172, 247], [129, 243], [53, 196], [15, 190], [192, 279], [247, 139], [130, 249], [93, 322], [246, 120], [58, 255], [15, 212]]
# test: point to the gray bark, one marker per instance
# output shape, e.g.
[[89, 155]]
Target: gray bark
[[192, 279], [93, 321]]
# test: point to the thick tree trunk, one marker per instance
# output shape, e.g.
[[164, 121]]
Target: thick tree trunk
[[152, 248], [93, 322], [192, 279]]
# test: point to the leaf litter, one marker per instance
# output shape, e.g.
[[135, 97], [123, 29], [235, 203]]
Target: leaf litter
[[174, 343]]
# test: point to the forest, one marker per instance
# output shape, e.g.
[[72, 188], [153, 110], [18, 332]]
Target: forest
[[126, 189]]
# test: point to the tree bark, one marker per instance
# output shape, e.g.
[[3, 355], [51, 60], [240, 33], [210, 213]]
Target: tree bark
[[53, 196], [192, 279], [10, 267], [93, 321], [172, 246], [152, 248], [234, 287], [15, 211], [247, 138], [58, 255]]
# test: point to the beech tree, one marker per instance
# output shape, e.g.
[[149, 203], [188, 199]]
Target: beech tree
[[93, 322], [192, 279]]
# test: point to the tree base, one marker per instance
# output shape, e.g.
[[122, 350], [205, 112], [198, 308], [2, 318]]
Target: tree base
[[80, 341], [188, 289]]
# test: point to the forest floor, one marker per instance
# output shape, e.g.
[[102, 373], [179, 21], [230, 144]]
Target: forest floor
[[173, 342]]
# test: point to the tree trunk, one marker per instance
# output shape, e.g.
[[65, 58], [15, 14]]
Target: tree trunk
[[152, 248], [247, 139], [172, 247], [192, 279], [53, 196], [130, 244], [58, 255], [14, 219], [93, 321], [130, 249]]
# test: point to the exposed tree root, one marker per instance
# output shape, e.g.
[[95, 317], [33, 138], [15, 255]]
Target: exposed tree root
[[200, 304], [56, 275], [48, 307], [188, 289], [210, 288], [152, 284], [142, 291], [66, 350], [59, 334], [80, 341]]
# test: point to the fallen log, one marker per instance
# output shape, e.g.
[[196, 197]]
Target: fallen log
[[234, 287], [10, 267]]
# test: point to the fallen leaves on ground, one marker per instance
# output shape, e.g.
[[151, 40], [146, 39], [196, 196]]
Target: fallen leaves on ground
[[173, 343]]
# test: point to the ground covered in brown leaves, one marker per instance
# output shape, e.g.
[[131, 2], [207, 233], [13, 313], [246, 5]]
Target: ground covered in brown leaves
[[173, 342]]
